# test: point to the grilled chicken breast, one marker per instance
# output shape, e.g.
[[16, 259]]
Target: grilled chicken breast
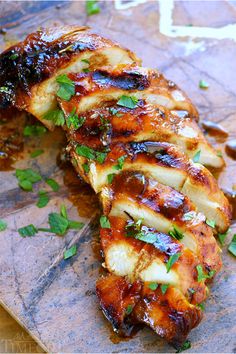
[[133, 135]]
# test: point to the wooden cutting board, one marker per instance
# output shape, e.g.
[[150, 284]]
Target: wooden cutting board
[[52, 298]]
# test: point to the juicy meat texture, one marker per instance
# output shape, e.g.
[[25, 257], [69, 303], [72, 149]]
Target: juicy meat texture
[[159, 251], [145, 122], [29, 69]]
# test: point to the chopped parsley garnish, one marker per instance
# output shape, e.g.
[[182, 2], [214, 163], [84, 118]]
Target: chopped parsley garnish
[[201, 276], [203, 84], [58, 223], [188, 216], [153, 286], [185, 346], [64, 211], [114, 112], [196, 157], [14, 56], [77, 225], [5, 89], [3, 225], [74, 121], [219, 153], [222, 237], [70, 252], [110, 177], [201, 306], [104, 222], [85, 61], [35, 130], [120, 162], [86, 167], [232, 246], [89, 153], [43, 199], [176, 234], [210, 223], [36, 153], [128, 101], [164, 288], [53, 184], [66, 87], [92, 7], [26, 178], [56, 116], [171, 261], [86, 70], [28, 231], [129, 309]]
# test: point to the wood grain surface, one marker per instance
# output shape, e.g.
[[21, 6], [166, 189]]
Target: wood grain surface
[[53, 298]]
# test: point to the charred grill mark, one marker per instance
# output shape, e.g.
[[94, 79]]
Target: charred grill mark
[[123, 81]]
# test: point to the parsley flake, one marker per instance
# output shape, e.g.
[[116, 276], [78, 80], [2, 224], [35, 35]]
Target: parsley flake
[[104, 222], [203, 84], [28, 231], [66, 87], [35, 130], [201, 276], [36, 153], [120, 162], [110, 177], [153, 286], [127, 101], [86, 167], [58, 223], [74, 121], [210, 223], [176, 234], [3, 225], [171, 261], [232, 246], [188, 216], [26, 178], [164, 288], [56, 116], [92, 7], [89, 153], [70, 252], [222, 237], [129, 309], [53, 184], [196, 157], [185, 346], [43, 199]]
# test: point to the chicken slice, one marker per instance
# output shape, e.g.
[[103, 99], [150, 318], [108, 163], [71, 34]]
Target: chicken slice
[[95, 88], [146, 122], [127, 305], [164, 163], [29, 69], [164, 209]]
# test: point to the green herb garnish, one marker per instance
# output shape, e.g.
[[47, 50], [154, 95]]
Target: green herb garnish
[[35, 130], [3, 225], [56, 116], [86, 167], [28, 231], [210, 223], [26, 178], [164, 288], [201, 276], [66, 87], [196, 157], [222, 237], [74, 121], [203, 84], [14, 56], [92, 7], [128, 101], [171, 261], [219, 153], [43, 199], [53, 184], [70, 252], [89, 153], [176, 234], [129, 309], [120, 162], [85, 61], [110, 177], [77, 225], [201, 306], [36, 153], [104, 222], [232, 246], [185, 346], [58, 223], [153, 286], [188, 216]]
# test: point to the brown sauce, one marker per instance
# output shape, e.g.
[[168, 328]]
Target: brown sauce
[[215, 130], [230, 149], [79, 192]]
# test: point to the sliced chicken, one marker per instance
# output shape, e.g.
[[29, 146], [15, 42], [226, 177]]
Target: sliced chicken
[[145, 122], [29, 69], [166, 164], [164, 209]]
